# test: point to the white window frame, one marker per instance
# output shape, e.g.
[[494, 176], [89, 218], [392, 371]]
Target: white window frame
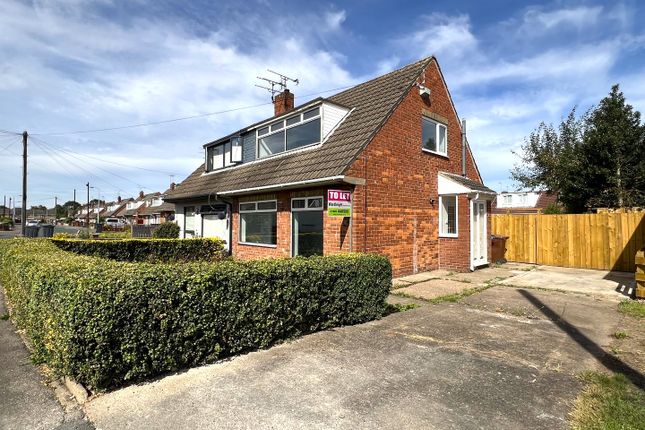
[[438, 126], [256, 210], [441, 223], [284, 129], [305, 209]]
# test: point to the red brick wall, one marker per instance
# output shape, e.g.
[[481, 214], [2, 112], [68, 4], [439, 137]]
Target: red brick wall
[[401, 219], [336, 230]]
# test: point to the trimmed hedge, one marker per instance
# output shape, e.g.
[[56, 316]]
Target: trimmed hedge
[[146, 250], [104, 322], [167, 230]]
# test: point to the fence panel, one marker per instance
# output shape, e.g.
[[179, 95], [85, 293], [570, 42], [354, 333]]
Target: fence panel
[[606, 241]]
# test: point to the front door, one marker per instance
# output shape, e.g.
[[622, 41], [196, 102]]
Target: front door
[[479, 234], [216, 223]]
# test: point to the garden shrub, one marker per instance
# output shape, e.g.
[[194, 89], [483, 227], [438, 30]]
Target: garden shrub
[[167, 230], [148, 250], [105, 322]]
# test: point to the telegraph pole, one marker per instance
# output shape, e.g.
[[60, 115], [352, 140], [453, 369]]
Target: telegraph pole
[[55, 208], [23, 210], [87, 215], [4, 205]]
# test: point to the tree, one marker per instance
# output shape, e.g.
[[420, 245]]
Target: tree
[[591, 161], [71, 207], [548, 160], [614, 153]]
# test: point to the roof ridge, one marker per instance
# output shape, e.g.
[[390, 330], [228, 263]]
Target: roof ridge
[[423, 60]]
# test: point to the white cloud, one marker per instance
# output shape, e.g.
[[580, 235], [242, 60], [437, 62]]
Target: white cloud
[[537, 20], [441, 35], [335, 19]]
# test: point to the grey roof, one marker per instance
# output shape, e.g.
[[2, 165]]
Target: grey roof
[[164, 207], [468, 183], [372, 103]]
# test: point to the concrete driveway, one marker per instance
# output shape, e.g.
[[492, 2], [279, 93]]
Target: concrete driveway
[[503, 358]]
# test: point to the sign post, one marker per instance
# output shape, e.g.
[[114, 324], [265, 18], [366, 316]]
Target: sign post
[[339, 203]]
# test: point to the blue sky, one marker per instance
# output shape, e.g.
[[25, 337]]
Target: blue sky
[[73, 65]]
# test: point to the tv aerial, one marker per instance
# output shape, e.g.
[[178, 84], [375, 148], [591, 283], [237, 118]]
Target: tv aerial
[[276, 86]]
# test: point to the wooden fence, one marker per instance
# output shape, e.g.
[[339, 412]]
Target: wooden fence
[[606, 241]]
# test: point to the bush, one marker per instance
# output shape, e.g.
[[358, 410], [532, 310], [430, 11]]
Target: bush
[[167, 230], [148, 250], [104, 322]]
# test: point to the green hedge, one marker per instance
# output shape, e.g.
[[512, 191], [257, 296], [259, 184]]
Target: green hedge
[[148, 250], [104, 322]]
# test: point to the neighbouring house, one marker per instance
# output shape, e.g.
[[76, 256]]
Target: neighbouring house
[[382, 167], [116, 209], [156, 210], [133, 207], [523, 202]]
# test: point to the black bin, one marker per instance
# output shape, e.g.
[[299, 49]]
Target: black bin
[[31, 231], [99, 228], [46, 230]]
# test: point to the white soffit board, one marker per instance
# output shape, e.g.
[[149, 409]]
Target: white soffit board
[[448, 186]]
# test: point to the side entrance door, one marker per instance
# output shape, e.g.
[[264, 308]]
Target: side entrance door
[[479, 234], [216, 223]]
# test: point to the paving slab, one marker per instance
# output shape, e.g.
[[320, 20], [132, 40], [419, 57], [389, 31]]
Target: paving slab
[[429, 290], [418, 277], [613, 285], [449, 366]]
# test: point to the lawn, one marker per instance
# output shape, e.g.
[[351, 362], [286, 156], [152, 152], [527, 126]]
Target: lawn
[[634, 308], [608, 402]]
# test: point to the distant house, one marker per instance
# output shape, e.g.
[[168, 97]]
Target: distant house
[[116, 209], [381, 167], [523, 202], [156, 210], [133, 207]]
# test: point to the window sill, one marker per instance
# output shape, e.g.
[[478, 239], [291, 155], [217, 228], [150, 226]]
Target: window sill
[[449, 236], [435, 152], [261, 245]]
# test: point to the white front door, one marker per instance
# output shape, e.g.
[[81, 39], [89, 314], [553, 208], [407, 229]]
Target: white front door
[[479, 234], [213, 225]]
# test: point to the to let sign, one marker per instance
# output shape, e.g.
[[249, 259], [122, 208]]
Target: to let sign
[[339, 203]]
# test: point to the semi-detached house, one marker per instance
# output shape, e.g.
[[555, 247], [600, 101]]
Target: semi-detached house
[[382, 167]]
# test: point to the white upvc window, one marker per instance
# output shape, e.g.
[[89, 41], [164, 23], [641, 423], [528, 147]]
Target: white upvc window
[[259, 223], [307, 226], [448, 216], [507, 199], [434, 137], [296, 131]]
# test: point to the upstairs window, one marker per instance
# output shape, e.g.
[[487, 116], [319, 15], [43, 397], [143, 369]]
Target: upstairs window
[[224, 154], [294, 132], [507, 200], [448, 216], [435, 137]]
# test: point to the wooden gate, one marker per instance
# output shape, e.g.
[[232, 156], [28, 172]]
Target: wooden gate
[[606, 241]]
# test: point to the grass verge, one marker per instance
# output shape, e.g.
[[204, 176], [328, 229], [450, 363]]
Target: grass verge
[[608, 402], [634, 308]]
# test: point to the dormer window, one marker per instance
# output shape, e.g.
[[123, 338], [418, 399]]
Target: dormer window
[[224, 154], [296, 131]]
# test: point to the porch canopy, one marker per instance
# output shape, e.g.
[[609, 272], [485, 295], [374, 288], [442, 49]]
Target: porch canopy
[[450, 184]]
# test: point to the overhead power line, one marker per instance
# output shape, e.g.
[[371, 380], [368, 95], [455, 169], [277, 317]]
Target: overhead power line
[[166, 121]]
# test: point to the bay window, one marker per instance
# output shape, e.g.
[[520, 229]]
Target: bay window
[[258, 222]]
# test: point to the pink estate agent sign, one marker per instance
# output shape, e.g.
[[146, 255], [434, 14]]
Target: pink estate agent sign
[[339, 203]]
